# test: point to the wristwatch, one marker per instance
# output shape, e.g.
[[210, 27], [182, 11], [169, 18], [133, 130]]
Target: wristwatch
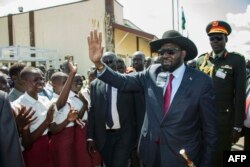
[[238, 129]]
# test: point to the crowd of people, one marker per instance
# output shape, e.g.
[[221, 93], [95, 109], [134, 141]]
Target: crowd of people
[[136, 116]]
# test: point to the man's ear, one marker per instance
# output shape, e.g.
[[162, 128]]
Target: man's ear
[[183, 53]]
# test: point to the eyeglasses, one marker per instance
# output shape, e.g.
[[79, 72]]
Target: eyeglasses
[[169, 51], [108, 61], [217, 38]]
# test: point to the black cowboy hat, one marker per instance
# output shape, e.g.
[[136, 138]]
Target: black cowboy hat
[[175, 37]]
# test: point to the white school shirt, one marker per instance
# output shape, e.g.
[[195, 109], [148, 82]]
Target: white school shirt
[[72, 102], [77, 104], [40, 107], [86, 93]]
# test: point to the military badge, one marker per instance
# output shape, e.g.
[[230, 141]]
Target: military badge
[[220, 74], [227, 67], [215, 23]]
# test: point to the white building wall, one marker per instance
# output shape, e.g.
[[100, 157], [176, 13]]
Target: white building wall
[[21, 29], [118, 10], [4, 33], [63, 28], [66, 28]]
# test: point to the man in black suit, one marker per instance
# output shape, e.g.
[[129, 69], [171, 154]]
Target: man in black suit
[[111, 120], [180, 105], [138, 59], [10, 148]]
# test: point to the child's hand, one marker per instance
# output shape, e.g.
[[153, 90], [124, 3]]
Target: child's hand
[[72, 67], [24, 117], [72, 115], [50, 113], [80, 123]]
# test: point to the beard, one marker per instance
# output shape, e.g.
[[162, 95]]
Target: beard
[[171, 64]]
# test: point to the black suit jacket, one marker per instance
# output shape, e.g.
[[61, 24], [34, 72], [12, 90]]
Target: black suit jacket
[[10, 149], [140, 108], [97, 115], [191, 122]]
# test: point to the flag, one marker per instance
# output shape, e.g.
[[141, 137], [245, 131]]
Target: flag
[[183, 20]]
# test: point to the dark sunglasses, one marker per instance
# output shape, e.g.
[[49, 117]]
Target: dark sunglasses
[[217, 38], [169, 51], [108, 61]]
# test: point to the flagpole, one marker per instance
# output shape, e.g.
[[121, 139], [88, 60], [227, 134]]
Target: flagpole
[[173, 13], [178, 16]]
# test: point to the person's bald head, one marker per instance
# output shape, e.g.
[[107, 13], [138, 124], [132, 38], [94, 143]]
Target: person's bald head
[[109, 58], [138, 60], [58, 79], [148, 62]]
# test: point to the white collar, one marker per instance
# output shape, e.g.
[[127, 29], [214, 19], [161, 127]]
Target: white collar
[[29, 98], [178, 72]]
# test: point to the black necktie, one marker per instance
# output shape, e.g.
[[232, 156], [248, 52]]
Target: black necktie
[[109, 119]]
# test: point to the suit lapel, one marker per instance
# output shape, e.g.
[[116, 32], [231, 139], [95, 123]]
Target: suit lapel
[[181, 92], [102, 88], [159, 93]]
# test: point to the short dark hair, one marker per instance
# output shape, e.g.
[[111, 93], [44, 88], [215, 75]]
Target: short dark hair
[[120, 60], [15, 69], [3, 77], [58, 75], [27, 71]]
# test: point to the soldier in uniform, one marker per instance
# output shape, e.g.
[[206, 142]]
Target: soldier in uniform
[[228, 71]]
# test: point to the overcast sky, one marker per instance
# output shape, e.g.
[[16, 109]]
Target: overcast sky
[[155, 17]]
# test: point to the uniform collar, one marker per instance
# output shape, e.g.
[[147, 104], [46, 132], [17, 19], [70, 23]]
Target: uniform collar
[[222, 54]]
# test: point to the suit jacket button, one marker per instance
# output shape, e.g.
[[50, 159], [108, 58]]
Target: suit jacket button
[[227, 110]]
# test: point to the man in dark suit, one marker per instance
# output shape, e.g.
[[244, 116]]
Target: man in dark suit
[[228, 71], [148, 62], [138, 59], [10, 148], [180, 109], [111, 120]]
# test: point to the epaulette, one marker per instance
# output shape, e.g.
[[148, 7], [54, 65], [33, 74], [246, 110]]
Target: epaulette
[[207, 69], [204, 54]]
